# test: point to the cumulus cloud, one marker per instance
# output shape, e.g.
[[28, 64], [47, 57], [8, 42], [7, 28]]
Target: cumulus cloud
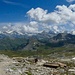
[[70, 1], [42, 15], [62, 17], [33, 24]]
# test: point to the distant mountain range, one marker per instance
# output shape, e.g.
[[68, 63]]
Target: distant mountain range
[[17, 30], [14, 40], [17, 38]]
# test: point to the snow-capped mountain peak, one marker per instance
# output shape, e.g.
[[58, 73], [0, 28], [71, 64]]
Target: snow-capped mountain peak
[[31, 29]]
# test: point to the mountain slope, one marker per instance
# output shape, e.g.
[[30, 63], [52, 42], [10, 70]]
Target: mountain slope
[[45, 40], [12, 43]]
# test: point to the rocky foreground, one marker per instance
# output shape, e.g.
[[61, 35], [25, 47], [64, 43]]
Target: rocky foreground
[[27, 66]]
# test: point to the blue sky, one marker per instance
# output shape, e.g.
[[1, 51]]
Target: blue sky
[[15, 10]]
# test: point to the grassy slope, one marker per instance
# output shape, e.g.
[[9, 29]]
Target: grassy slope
[[41, 51]]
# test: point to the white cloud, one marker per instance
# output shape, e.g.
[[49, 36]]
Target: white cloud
[[34, 24], [42, 15], [72, 7], [62, 15], [61, 19], [37, 14], [70, 1]]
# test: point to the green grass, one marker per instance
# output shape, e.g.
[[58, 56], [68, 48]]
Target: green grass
[[11, 53], [40, 51]]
